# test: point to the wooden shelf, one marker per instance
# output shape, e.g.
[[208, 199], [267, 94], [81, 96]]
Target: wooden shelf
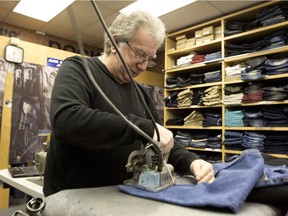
[[172, 54]]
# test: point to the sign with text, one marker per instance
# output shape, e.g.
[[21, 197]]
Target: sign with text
[[52, 62]]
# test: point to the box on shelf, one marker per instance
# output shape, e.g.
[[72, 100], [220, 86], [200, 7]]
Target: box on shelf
[[181, 41], [217, 30], [198, 33], [199, 40], [180, 46], [190, 42], [208, 30], [180, 37], [208, 38]]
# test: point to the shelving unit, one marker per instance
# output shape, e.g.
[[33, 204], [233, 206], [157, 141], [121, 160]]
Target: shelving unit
[[172, 53]]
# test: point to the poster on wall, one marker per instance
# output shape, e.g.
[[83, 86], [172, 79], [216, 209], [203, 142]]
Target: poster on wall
[[3, 71], [30, 121], [30, 110]]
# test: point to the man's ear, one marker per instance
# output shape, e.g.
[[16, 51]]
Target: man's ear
[[113, 50]]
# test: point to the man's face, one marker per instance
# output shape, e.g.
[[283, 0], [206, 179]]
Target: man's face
[[138, 52]]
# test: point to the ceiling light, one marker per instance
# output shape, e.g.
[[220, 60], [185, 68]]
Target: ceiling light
[[157, 8], [43, 10]]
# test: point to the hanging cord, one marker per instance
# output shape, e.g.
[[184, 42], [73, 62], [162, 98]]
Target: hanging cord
[[90, 76], [125, 65]]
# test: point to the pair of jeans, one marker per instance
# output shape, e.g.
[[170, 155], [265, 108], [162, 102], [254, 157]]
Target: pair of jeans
[[244, 172]]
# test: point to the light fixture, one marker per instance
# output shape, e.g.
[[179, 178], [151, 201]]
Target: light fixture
[[43, 10], [157, 8]]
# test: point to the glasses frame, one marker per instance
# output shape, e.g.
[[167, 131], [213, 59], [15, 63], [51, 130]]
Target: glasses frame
[[141, 58]]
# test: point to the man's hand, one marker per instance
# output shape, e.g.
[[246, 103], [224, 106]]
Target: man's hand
[[166, 139], [202, 170]]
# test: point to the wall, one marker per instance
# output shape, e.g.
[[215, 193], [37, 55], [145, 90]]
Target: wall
[[38, 54]]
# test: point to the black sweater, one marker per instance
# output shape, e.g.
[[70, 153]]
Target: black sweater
[[90, 143]]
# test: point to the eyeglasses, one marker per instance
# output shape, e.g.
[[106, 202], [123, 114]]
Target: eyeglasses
[[141, 58]]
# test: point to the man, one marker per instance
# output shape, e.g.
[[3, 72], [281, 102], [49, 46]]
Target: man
[[90, 143]]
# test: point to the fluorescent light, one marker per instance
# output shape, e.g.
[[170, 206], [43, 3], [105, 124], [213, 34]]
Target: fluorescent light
[[156, 7], [43, 10]]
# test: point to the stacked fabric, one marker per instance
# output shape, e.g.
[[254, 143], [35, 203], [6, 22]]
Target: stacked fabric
[[212, 96], [233, 94], [213, 76], [234, 118], [184, 98], [195, 118], [233, 140], [253, 140]]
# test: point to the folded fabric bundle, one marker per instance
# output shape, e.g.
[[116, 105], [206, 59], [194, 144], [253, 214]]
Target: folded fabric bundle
[[244, 172]]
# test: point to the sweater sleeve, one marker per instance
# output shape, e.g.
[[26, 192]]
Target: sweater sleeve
[[80, 116], [181, 158]]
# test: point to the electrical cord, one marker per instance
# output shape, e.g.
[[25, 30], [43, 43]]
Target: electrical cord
[[125, 65], [95, 84]]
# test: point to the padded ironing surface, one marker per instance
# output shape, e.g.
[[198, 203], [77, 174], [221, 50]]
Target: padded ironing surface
[[110, 201]]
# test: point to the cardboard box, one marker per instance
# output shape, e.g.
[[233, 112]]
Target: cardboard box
[[208, 30], [181, 41], [198, 33], [217, 30], [217, 36], [208, 38], [190, 42], [199, 40], [180, 46], [180, 37]]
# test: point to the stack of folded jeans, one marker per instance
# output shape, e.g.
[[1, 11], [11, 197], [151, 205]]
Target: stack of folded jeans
[[199, 139], [233, 140], [171, 82], [275, 40], [268, 16], [273, 15], [212, 96], [213, 76], [171, 100], [234, 118], [214, 141], [254, 118], [198, 58], [185, 60], [183, 81], [233, 99], [213, 56], [253, 93], [273, 93], [276, 116], [254, 69], [197, 78], [184, 98], [175, 121], [195, 118], [235, 69], [276, 143], [234, 27], [212, 118], [233, 94], [253, 140], [198, 96], [233, 89], [276, 65], [183, 138]]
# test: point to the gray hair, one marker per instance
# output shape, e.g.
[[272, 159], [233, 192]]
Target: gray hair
[[124, 27]]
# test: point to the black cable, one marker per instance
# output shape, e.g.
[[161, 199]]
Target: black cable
[[90, 76], [125, 65]]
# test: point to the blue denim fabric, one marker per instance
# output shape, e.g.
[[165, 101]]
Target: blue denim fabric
[[222, 193], [273, 175]]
